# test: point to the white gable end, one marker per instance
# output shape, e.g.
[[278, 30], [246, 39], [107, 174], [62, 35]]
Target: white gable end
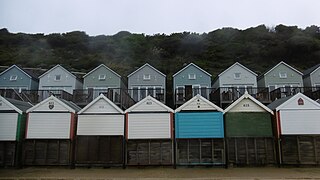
[[247, 105], [5, 106], [300, 102], [198, 103], [101, 106], [148, 105]]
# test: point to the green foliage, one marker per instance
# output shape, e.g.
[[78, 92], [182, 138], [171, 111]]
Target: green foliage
[[258, 48]]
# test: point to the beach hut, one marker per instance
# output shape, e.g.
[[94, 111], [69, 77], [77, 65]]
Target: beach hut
[[249, 133], [100, 134], [298, 129], [50, 131], [199, 133], [149, 133], [12, 125]]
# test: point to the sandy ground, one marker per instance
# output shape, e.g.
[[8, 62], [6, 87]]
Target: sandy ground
[[31, 173]]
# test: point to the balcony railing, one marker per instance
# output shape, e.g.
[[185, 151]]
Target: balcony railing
[[139, 94], [11, 93], [36, 96], [119, 96], [184, 94], [312, 92], [226, 95]]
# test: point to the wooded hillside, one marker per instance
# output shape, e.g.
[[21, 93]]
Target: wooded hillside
[[258, 48]]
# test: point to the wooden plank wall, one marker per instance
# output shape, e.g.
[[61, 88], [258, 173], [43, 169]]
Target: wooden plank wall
[[251, 151], [149, 152], [300, 149], [7, 153], [200, 151], [99, 150], [47, 152]]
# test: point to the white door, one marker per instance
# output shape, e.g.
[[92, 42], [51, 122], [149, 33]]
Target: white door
[[8, 126], [149, 126], [100, 125], [300, 121], [49, 126]]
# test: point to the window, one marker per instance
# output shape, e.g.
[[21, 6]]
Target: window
[[282, 74], [102, 77], [272, 87], [135, 91], [143, 93], [237, 75], [13, 77], [146, 77], [192, 76], [57, 77]]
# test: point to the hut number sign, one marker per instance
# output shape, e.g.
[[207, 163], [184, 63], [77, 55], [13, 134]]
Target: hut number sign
[[246, 105], [51, 105]]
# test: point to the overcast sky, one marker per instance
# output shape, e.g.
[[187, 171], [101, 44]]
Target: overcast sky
[[108, 17]]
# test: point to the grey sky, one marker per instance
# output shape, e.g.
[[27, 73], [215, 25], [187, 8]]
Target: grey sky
[[152, 16]]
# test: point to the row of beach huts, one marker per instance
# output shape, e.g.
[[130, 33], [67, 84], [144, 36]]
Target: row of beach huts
[[247, 132], [279, 81]]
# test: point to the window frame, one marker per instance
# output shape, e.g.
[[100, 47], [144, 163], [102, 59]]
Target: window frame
[[146, 77], [13, 77], [102, 77], [190, 76], [57, 75], [283, 77], [235, 77]]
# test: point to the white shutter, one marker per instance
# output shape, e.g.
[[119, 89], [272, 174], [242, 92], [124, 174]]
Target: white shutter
[[100, 125], [149, 126], [8, 126], [49, 126]]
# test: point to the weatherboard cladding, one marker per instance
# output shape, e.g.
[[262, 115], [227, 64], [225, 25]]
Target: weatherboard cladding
[[272, 77], [182, 77], [91, 79], [226, 78], [23, 80], [311, 76]]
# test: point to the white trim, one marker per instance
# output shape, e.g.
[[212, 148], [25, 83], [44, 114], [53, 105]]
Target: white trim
[[146, 99], [102, 77], [198, 96], [240, 66], [293, 98], [48, 99], [13, 79], [246, 96], [192, 76], [17, 68], [99, 67], [285, 65], [235, 77], [11, 105], [55, 77], [283, 75], [146, 64], [146, 77], [101, 96], [58, 65], [191, 64]]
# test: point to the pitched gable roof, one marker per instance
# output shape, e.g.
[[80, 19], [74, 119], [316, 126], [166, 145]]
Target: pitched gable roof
[[201, 103], [18, 106], [285, 65], [191, 64], [57, 66], [149, 99], [240, 66], [70, 106], [102, 65], [311, 70], [146, 64], [247, 96], [281, 103], [101, 96], [27, 73]]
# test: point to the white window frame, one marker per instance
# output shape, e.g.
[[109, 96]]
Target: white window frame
[[13, 77], [55, 77], [283, 76], [146, 77], [192, 76], [194, 86], [102, 77], [235, 77]]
